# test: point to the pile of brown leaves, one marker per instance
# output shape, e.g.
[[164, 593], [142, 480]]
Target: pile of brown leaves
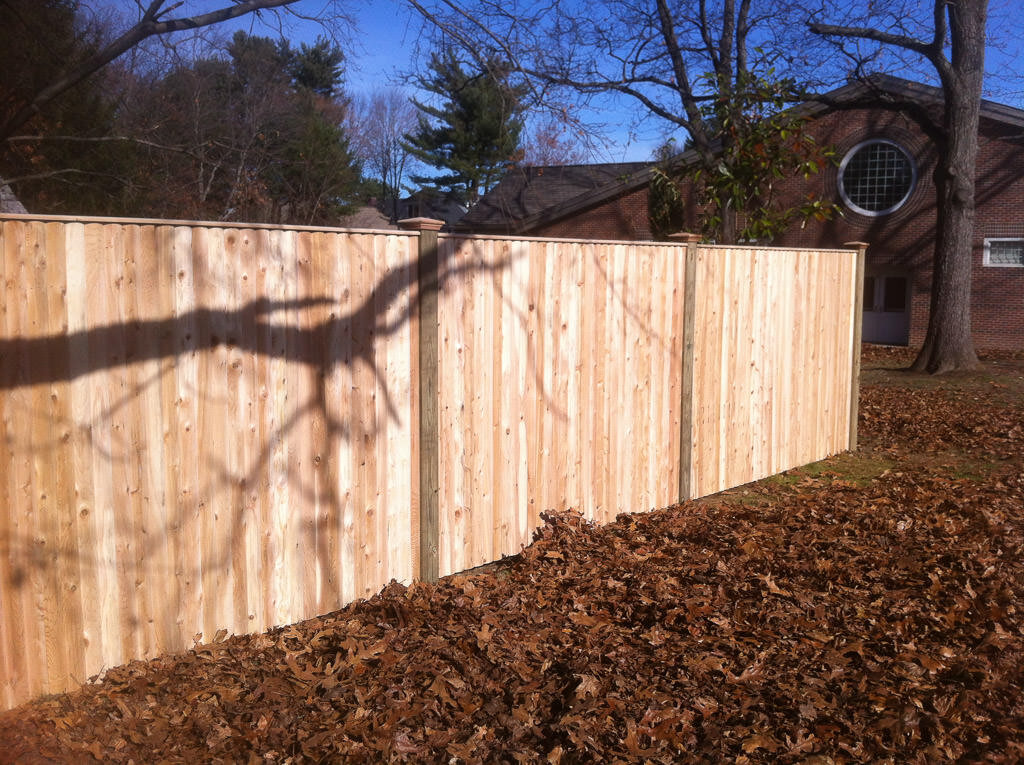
[[820, 621]]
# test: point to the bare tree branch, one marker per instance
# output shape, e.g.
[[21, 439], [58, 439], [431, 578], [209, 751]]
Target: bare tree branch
[[106, 139], [926, 49], [150, 24], [58, 173]]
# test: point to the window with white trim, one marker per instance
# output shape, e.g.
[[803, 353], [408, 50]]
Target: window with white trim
[[1004, 253], [876, 177]]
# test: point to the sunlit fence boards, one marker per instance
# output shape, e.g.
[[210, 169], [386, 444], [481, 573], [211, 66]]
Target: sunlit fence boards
[[772, 354], [204, 428], [224, 427], [559, 386]]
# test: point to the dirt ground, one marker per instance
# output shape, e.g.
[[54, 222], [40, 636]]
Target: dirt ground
[[867, 608]]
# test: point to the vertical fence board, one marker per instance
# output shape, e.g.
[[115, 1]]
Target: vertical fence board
[[26, 572], [39, 528], [771, 346], [65, 648], [10, 658]]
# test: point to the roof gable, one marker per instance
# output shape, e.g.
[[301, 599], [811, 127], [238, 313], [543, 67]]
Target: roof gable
[[526, 192]]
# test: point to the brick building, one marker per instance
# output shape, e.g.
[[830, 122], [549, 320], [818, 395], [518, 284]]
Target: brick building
[[882, 184]]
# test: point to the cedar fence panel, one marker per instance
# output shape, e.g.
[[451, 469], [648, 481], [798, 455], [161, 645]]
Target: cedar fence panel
[[559, 387], [227, 427], [205, 428], [773, 348]]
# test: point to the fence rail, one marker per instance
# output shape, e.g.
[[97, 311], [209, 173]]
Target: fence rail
[[222, 427]]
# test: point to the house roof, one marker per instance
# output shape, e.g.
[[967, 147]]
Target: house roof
[[894, 90], [367, 216], [530, 197], [8, 202], [526, 193]]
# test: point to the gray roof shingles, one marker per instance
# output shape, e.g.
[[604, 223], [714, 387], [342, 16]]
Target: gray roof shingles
[[527, 191]]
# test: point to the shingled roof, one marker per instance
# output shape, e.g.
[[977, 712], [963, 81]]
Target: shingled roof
[[527, 192], [8, 202]]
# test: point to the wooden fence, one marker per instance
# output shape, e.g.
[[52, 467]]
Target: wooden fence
[[229, 427]]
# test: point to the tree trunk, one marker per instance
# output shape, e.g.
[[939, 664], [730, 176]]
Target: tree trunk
[[728, 231], [948, 344]]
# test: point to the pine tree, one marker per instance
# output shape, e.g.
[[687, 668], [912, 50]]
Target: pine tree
[[473, 136], [317, 67]]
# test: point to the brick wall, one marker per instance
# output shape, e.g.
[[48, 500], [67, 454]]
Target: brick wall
[[901, 242], [624, 217], [997, 304]]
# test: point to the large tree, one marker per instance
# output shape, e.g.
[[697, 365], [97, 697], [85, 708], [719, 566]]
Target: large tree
[[156, 17], [671, 58], [37, 40], [472, 133], [951, 39], [59, 48]]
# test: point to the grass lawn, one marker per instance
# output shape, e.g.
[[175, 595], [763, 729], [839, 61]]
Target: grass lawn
[[867, 608]]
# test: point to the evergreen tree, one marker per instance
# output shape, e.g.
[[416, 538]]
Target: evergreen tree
[[473, 136], [57, 161], [317, 67]]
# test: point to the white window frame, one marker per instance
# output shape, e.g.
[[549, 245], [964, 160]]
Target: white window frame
[[987, 259], [850, 155]]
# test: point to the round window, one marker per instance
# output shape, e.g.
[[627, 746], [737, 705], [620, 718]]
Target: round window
[[876, 177]]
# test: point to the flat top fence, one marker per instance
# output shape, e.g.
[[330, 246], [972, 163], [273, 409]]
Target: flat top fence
[[230, 427]]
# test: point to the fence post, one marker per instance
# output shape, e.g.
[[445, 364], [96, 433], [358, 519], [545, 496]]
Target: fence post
[[858, 327], [686, 409], [429, 444]]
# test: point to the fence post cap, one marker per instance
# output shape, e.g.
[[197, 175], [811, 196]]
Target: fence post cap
[[685, 238], [421, 224], [856, 245]]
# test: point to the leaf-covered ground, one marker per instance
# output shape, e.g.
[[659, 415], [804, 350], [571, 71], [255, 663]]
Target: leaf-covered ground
[[864, 609]]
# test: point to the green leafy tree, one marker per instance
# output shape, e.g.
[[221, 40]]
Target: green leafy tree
[[473, 136], [762, 144], [666, 210]]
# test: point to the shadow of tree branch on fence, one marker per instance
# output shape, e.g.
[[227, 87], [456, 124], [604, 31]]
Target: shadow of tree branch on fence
[[200, 525], [287, 330]]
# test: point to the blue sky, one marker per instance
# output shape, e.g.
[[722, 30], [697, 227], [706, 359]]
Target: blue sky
[[385, 42], [388, 31], [382, 45]]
